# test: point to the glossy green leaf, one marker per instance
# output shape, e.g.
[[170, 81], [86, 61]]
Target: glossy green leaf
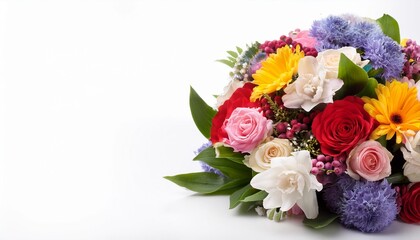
[[353, 76], [202, 113], [237, 196], [369, 89], [206, 183], [205, 154], [375, 72], [259, 196], [397, 178], [382, 140], [324, 219], [227, 152], [228, 168], [390, 27]]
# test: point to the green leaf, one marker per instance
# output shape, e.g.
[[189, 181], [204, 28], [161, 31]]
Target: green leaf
[[239, 50], [236, 197], [206, 183], [227, 152], [397, 178], [382, 140], [390, 27], [228, 168], [259, 196], [375, 72], [207, 153], [232, 59], [201, 113], [227, 62], [369, 89], [353, 76], [324, 219], [233, 54]]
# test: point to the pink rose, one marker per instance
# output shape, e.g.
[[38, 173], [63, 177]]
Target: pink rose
[[369, 160], [246, 128]]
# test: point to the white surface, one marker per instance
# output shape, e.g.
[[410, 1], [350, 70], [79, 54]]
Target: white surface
[[94, 112]]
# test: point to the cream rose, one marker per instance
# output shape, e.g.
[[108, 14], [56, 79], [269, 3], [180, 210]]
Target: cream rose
[[260, 158], [411, 153], [330, 59]]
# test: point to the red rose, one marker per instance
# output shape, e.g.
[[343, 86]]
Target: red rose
[[239, 98], [342, 125], [410, 203]]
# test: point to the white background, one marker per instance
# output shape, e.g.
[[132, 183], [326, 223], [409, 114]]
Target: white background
[[94, 112]]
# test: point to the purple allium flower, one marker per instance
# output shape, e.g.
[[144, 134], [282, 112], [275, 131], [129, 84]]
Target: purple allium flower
[[360, 30], [335, 32], [205, 166], [331, 33], [383, 52], [364, 205], [333, 193], [370, 206]]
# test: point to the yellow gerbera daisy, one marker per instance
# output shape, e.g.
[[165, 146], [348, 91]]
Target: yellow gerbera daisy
[[276, 71], [397, 110]]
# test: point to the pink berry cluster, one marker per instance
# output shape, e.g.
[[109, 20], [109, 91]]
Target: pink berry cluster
[[271, 46], [268, 106], [290, 129], [327, 165], [411, 67]]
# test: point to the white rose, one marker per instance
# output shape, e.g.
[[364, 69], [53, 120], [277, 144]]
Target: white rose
[[411, 153], [289, 182], [311, 87], [330, 59], [260, 158], [228, 91]]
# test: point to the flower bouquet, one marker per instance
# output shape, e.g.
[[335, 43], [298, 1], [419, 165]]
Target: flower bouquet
[[323, 122]]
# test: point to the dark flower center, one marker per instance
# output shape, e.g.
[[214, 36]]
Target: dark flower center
[[396, 118]]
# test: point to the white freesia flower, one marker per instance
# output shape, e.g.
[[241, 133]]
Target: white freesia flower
[[311, 87], [412, 172], [330, 59], [260, 158], [228, 91], [289, 182], [411, 153]]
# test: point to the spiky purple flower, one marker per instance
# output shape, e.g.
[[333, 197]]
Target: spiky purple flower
[[363, 205], [335, 32], [333, 193]]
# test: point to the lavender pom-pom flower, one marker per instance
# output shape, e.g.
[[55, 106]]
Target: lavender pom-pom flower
[[363, 205], [384, 53]]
